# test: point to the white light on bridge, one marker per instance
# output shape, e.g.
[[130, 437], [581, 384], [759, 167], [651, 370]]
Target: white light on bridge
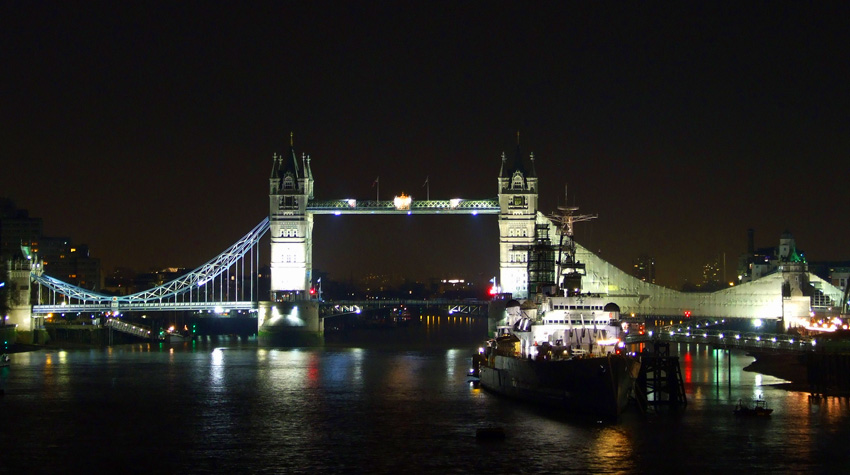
[[454, 202], [352, 203], [402, 202], [757, 322]]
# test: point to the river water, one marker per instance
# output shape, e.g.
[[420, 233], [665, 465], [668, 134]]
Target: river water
[[379, 401]]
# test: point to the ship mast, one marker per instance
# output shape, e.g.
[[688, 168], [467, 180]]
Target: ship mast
[[567, 268]]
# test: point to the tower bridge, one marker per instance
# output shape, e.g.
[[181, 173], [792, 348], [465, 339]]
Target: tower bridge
[[229, 281]]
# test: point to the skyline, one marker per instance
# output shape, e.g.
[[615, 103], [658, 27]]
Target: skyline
[[148, 133]]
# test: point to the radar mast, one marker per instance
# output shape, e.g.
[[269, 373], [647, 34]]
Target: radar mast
[[567, 268]]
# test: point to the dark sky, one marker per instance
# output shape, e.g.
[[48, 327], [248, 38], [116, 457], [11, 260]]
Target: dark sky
[[146, 129]]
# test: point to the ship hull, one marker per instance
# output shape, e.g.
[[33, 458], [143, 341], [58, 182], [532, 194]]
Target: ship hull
[[600, 386]]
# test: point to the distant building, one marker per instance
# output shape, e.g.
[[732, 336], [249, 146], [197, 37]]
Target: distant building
[[17, 229], [757, 263], [61, 258], [149, 280], [69, 262], [120, 282], [456, 288], [712, 274], [835, 272], [644, 268]]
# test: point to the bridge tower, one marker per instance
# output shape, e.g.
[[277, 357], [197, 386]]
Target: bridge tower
[[292, 316], [290, 225], [517, 218], [18, 301]]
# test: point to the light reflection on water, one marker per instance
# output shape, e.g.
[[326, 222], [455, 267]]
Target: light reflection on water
[[223, 406]]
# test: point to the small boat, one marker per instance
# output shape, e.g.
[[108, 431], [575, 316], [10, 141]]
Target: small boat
[[758, 409], [4, 360], [490, 433]]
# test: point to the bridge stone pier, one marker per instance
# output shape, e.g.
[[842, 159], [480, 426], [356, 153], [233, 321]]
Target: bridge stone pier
[[294, 323], [20, 310]]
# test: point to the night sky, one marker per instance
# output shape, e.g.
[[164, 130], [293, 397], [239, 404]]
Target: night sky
[[146, 130]]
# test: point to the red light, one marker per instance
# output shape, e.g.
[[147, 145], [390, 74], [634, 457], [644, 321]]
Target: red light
[[687, 313], [493, 290], [312, 291]]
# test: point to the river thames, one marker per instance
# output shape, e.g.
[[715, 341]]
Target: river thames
[[380, 401]]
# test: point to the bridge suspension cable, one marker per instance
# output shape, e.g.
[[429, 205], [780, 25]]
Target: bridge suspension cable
[[190, 283]]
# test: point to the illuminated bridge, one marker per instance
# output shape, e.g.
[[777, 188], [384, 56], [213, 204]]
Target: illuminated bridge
[[229, 282], [702, 331]]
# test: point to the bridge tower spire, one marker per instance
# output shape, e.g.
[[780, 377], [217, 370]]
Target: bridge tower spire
[[517, 219]]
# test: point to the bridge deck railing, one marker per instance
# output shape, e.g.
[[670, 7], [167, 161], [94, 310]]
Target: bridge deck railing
[[732, 339]]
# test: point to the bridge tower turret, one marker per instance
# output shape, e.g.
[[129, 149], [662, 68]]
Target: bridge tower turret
[[290, 225], [517, 216]]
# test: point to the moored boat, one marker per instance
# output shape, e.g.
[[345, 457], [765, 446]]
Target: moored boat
[[561, 347], [758, 409]]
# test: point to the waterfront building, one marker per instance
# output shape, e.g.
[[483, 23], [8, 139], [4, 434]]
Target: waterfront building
[[759, 262], [788, 294], [835, 272]]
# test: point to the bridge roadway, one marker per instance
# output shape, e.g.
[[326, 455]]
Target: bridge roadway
[[327, 308], [701, 333], [465, 306], [217, 307]]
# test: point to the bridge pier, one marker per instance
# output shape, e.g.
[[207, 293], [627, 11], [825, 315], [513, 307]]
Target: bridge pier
[[26, 329], [294, 323]]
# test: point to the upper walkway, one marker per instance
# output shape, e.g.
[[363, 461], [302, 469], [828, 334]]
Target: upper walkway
[[457, 206]]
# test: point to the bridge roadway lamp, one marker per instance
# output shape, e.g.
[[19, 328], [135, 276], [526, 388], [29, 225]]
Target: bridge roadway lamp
[[402, 202]]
